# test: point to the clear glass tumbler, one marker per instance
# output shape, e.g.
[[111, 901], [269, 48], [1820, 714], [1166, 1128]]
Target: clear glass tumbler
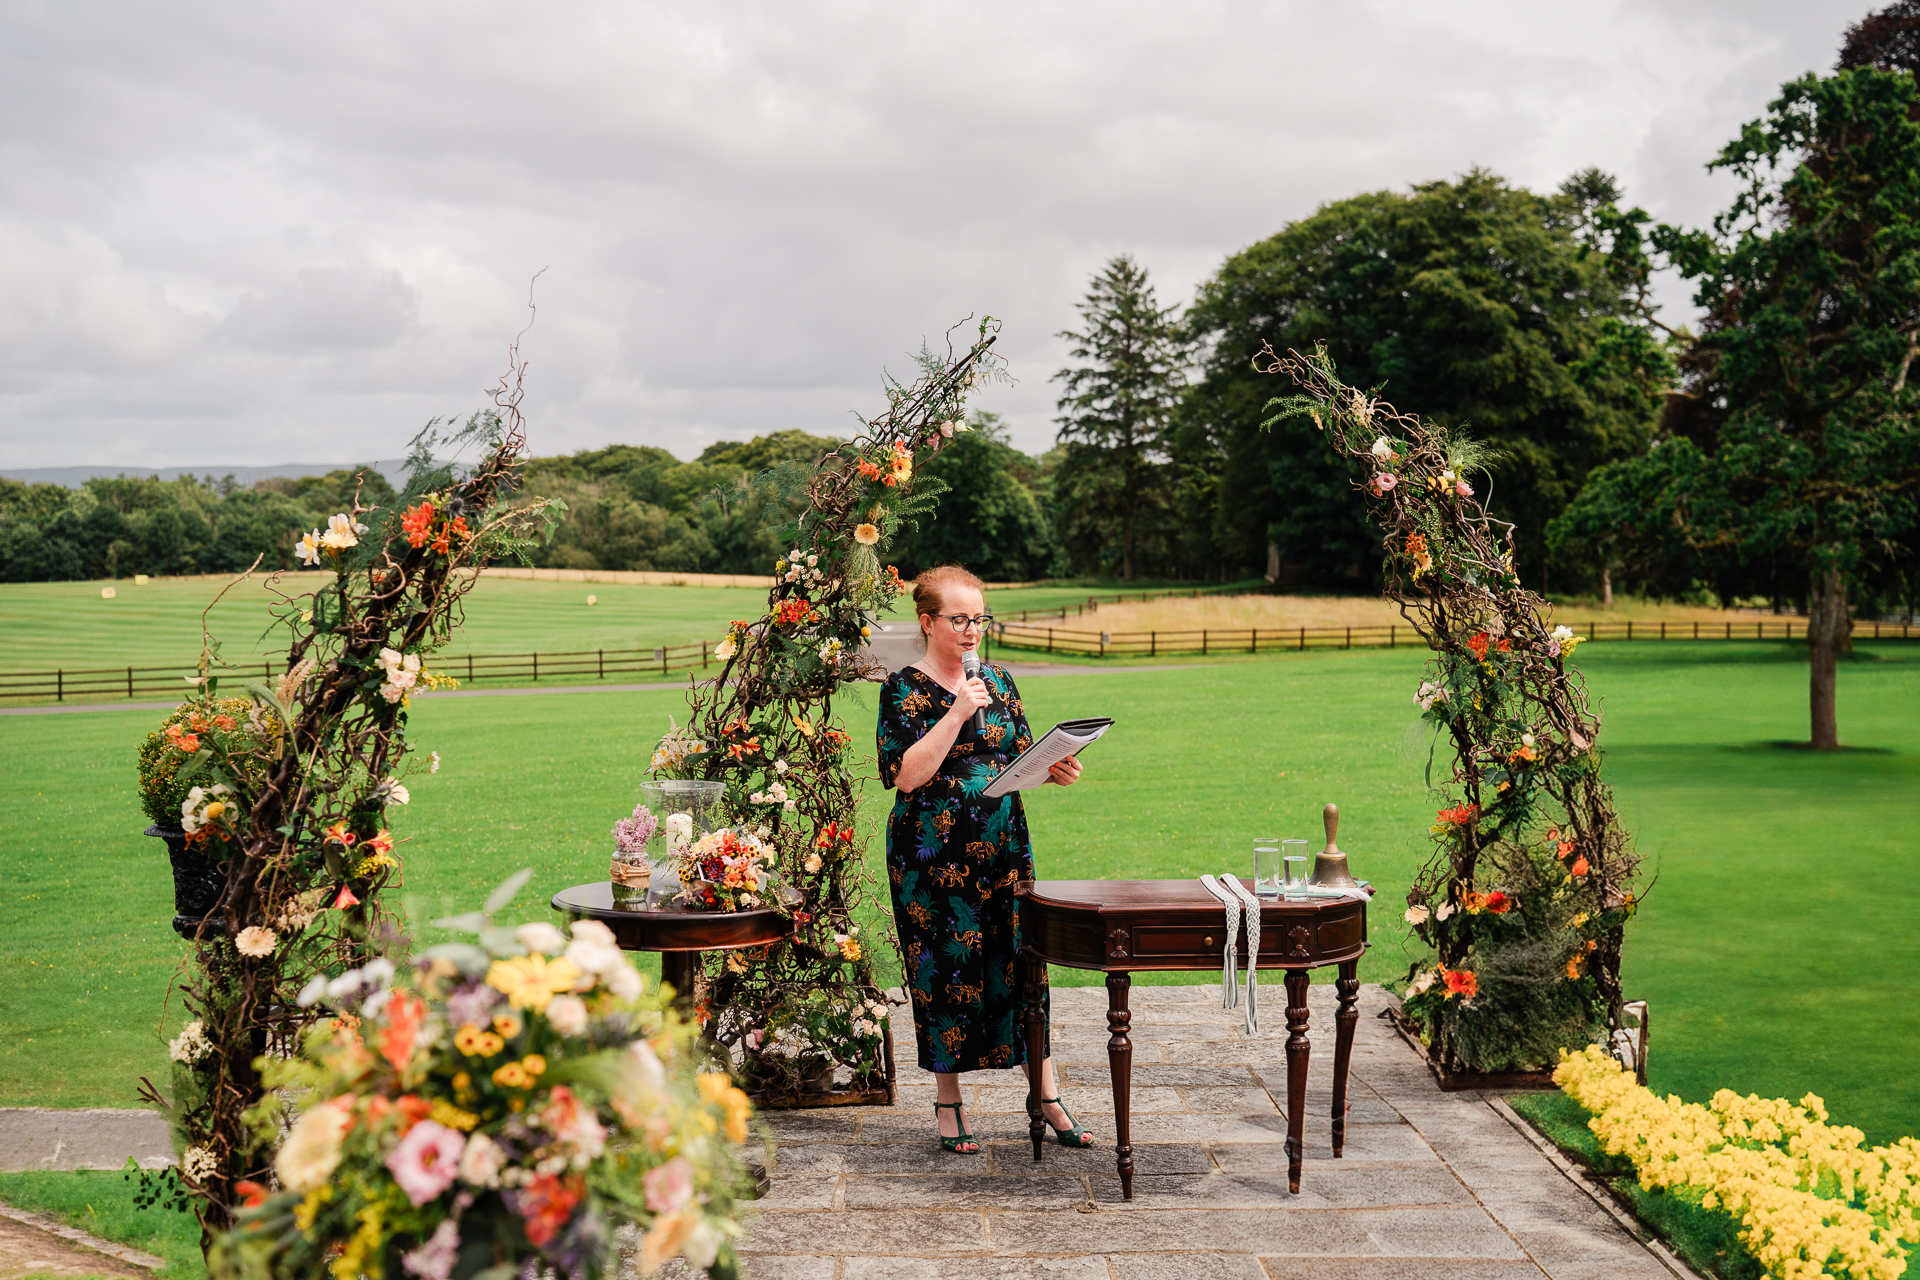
[[1266, 866], [1293, 857]]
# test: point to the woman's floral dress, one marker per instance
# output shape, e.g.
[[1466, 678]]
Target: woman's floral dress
[[953, 858]]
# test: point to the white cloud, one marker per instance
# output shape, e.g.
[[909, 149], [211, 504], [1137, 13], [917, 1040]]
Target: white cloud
[[236, 229]]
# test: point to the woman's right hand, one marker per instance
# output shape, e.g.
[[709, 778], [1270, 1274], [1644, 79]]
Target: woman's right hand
[[971, 696]]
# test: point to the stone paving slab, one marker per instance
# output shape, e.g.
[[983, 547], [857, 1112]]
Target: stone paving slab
[[33, 1138], [1431, 1186]]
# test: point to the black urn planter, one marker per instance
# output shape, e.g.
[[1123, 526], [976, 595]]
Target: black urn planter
[[198, 879]]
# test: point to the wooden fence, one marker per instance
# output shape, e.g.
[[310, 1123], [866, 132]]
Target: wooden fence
[[131, 682], [1025, 634]]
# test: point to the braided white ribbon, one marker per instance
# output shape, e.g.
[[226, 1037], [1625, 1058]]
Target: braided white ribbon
[[1230, 953], [1251, 907]]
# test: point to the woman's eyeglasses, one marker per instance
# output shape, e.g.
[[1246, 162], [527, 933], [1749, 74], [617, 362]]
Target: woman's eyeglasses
[[960, 621]]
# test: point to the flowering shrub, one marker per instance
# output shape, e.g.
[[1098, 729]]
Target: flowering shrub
[[509, 1106], [765, 727], [1526, 895], [1810, 1199]]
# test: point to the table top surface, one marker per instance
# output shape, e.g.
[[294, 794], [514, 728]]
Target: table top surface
[[672, 928], [1161, 896]]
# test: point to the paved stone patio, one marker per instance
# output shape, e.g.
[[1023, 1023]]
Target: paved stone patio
[[1433, 1186]]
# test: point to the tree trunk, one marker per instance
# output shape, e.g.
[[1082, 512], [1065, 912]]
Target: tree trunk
[[1829, 634], [1606, 586]]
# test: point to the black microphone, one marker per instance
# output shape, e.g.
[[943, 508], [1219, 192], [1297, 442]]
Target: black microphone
[[970, 665]]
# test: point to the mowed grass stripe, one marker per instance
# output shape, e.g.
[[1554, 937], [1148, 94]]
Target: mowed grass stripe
[[1776, 946]]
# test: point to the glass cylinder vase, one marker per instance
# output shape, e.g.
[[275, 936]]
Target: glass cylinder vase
[[699, 801]]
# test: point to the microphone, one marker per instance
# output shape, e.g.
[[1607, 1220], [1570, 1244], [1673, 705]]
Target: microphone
[[970, 665]]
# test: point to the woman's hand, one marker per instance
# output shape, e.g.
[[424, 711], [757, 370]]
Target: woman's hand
[[971, 696], [1065, 772]]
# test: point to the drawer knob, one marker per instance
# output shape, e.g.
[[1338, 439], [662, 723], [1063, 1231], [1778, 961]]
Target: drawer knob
[[1208, 942]]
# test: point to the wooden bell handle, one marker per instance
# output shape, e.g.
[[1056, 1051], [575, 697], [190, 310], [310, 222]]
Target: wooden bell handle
[[1332, 817]]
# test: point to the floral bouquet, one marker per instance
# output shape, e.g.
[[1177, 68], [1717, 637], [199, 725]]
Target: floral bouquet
[[727, 870], [502, 1113]]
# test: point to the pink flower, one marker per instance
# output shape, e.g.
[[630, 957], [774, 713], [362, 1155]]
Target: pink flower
[[670, 1186], [425, 1162], [1462, 488], [1385, 481]]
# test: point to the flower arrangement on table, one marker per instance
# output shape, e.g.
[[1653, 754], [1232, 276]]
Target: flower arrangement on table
[[1810, 1197], [765, 727], [726, 870], [509, 1109], [1531, 879]]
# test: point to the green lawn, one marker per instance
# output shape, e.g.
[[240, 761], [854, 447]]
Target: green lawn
[[101, 1203], [1775, 947]]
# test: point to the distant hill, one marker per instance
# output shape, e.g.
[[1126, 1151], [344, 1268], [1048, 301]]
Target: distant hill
[[73, 477]]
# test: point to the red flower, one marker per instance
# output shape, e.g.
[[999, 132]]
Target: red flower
[[1460, 815], [251, 1193], [1499, 903], [181, 740], [867, 469], [1478, 644], [405, 1014], [346, 898], [1579, 867], [458, 525], [1461, 982], [415, 522], [547, 1203]]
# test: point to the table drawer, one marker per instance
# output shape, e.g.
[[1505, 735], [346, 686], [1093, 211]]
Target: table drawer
[[1151, 940]]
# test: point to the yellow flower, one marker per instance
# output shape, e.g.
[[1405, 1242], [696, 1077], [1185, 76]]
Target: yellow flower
[[667, 1238], [529, 982], [718, 1090], [512, 1075], [446, 1113], [475, 1043], [535, 1064], [866, 535], [802, 724], [507, 1024]]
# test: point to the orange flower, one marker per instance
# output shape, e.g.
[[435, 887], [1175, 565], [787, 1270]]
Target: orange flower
[[382, 843], [867, 469], [1476, 903], [1521, 753], [251, 1193], [346, 898], [1478, 644], [1573, 968], [412, 1109], [181, 740], [458, 526], [1460, 815], [1579, 867], [546, 1204], [415, 522], [405, 1014], [1498, 903], [440, 543], [338, 834], [1461, 982]]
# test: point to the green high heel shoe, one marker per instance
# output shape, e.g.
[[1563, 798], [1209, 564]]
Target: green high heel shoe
[[961, 1143], [1079, 1136]]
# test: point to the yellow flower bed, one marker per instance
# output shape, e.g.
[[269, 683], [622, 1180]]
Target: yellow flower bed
[[1811, 1201]]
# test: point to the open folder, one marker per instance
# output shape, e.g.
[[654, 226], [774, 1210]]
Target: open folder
[[1029, 769]]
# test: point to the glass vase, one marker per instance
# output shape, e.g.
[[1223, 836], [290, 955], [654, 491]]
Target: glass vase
[[700, 801]]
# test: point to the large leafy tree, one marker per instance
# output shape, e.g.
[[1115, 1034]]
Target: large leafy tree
[[989, 519], [1788, 465], [1113, 489], [1484, 305]]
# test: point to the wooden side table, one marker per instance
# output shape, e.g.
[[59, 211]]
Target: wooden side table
[[679, 935], [1124, 926]]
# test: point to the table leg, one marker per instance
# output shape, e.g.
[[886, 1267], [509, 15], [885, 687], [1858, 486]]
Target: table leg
[[680, 970], [1036, 1028], [1297, 1049], [1120, 1066], [1348, 988]]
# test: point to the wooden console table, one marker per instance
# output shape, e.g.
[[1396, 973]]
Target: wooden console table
[[1124, 926], [678, 935]]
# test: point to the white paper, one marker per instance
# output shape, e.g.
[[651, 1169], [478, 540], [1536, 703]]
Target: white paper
[[1055, 745]]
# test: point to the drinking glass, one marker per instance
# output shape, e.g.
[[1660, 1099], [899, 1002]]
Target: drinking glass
[[1266, 866], [1293, 857]]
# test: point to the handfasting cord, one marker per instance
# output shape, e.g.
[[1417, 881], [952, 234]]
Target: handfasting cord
[[1251, 906], [1230, 953]]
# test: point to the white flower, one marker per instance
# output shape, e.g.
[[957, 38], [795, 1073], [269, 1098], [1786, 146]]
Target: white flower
[[594, 957], [397, 793], [568, 1014], [314, 992], [389, 658], [758, 797], [308, 548], [191, 1044], [959, 424], [541, 937], [1428, 694], [411, 662], [778, 791], [1381, 449], [624, 983], [652, 1074], [481, 1162], [1422, 983], [779, 766], [790, 806], [340, 533], [725, 649], [812, 561], [312, 1150], [830, 650], [1526, 739], [198, 1164], [1444, 910], [1417, 915], [255, 942], [1563, 634], [433, 762]]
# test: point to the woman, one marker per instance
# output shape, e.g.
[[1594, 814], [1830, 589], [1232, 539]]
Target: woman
[[953, 856]]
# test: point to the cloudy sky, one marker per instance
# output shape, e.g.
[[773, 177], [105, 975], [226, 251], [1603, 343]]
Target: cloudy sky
[[244, 232]]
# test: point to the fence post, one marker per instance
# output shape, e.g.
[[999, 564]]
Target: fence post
[[469, 668], [1256, 639], [536, 666], [1349, 643], [1729, 631], [1629, 628], [1049, 639], [1303, 639], [1393, 637], [703, 655], [661, 653], [129, 682], [603, 663], [1153, 644], [60, 686], [1696, 631], [1203, 642], [1591, 626]]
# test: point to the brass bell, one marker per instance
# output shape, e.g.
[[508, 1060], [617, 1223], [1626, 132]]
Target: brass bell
[[1330, 865]]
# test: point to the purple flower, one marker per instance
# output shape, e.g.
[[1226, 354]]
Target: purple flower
[[630, 835], [434, 1260], [472, 1004], [425, 1162]]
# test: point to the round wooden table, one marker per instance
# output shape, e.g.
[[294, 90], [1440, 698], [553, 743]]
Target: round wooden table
[[679, 935]]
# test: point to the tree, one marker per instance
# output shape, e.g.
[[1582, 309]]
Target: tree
[[1789, 463], [1116, 417], [1485, 305], [988, 520]]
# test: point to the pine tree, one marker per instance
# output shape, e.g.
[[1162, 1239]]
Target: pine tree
[[1113, 487]]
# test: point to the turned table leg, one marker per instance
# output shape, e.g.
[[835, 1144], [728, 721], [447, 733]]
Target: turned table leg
[[1120, 1066], [1036, 1028], [1297, 1050], [1348, 988], [680, 970]]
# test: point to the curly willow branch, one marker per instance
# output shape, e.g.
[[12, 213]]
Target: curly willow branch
[[1532, 877]]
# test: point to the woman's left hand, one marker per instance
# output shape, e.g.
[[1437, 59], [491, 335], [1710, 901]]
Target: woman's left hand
[[1065, 772]]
